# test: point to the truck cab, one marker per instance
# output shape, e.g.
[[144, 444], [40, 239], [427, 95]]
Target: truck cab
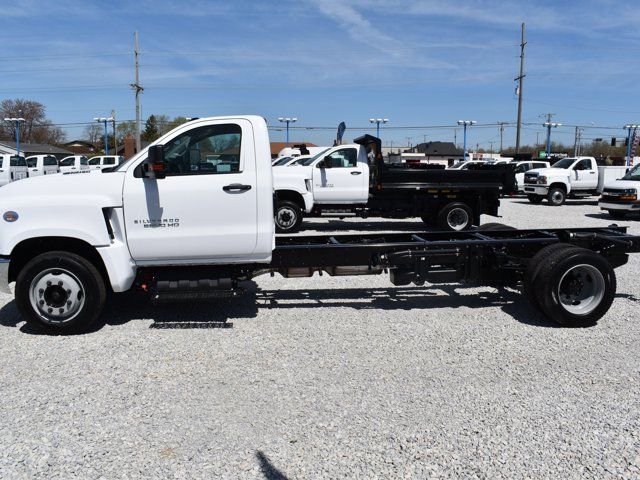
[[74, 164], [12, 168], [566, 176], [42, 165]]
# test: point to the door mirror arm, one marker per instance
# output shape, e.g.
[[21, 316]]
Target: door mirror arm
[[327, 162]]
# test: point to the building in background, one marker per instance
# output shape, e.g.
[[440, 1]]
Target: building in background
[[27, 149], [81, 147]]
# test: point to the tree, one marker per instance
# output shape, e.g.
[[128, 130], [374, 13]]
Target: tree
[[151, 131], [125, 129], [93, 132], [36, 127]]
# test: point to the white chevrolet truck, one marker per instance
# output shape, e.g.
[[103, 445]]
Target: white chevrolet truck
[[620, 197], [176, 226], [576, 176]]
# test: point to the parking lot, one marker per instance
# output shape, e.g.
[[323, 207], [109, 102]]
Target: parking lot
[[329, 378]]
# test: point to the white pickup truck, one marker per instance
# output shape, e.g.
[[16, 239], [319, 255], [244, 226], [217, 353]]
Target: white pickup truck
[[620, 197], [575, 176], [170, 223], [347, 180]]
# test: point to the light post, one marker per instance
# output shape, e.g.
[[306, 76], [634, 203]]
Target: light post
[[287, 120], [465, 124], [549, 126], [105, 121], [628, 128], [17, 122], [378, 121]]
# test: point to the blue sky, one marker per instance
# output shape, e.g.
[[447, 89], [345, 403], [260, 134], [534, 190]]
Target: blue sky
[[416, 62]]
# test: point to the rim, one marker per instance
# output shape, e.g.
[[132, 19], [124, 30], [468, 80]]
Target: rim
[[581, 289], [458, 219], [56, 295], [557, 196], [286, 217]]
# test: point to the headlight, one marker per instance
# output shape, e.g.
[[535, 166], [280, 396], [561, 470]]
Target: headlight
[[629, 194], [542, 180]]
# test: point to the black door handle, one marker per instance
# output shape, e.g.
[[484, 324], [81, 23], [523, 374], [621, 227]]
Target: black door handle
[[356, 173], [236, 187]]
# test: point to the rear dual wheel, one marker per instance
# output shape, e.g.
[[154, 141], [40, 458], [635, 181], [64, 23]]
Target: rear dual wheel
[[571, 285]]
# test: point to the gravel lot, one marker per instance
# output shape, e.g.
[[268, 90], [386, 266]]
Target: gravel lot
[[330, 378]]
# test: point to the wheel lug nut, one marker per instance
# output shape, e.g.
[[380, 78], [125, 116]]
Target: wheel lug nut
[[61, 310], [59, 283], [41, 302], [50, 310], [41, 291], [68, 303], [68, 291], [48, 283]]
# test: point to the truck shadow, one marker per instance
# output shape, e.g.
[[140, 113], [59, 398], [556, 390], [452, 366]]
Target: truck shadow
[[569, 203], [128, 307], [617, 221], [363, 225]]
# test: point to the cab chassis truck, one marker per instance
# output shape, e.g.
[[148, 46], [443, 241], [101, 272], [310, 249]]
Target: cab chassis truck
[[219, 231]]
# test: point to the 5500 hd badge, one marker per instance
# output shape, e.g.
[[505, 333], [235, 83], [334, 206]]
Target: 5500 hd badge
[[158, 222]]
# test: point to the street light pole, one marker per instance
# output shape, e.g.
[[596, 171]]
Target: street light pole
[[465, 124], [629, 128], [16, 122], [549, 126], [287, 120], [378, 121], [105, 121]]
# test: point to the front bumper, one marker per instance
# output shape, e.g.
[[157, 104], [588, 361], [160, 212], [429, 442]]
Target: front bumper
[[4, 275], [620, 206], [530, 189]]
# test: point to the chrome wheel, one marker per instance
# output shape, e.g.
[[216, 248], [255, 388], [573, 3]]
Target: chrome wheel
[[286, 217], [458, 219], [581, 289], [557, 197], [56, 295]]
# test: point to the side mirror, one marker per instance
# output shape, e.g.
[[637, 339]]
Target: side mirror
[[327, 162], [154, 166]]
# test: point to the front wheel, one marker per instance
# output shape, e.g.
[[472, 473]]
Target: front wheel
[[60, 292], [456, 217], [556, 196], [288, 217]]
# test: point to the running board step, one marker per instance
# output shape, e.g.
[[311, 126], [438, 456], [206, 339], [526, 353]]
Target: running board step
[[194, 296]]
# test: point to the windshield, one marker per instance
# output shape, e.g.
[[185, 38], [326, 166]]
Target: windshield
[[309, 161], [633, 174], [458, 164], [83, 160], [564, 163], [282, 161], [17, 161]]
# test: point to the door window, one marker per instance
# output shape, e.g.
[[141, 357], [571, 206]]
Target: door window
[[18, 161], [32, 162], [539, 165], [109, 161], [84, 161], [345, 158], [94, 161], [204, 150], [50, 160], [583, 165]]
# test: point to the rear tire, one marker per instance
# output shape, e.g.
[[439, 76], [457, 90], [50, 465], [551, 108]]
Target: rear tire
[[535, 199], [535, 264], [60, 292], [287, 217], [556, 196], [455, 217], [575, 287]]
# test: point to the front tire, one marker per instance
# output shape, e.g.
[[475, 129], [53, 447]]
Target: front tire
[[60, 292], [556, 196], [288, 217], [455, 217]]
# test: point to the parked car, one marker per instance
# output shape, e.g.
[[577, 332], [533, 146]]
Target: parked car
[[282, 161], [465, 164], [12, 168], [42, 165], [569, 176], [105, 161], [620, 197], [74, 164]]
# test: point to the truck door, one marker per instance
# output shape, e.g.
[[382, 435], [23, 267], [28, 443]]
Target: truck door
[[585, 175], [345, 182], [200, 211]]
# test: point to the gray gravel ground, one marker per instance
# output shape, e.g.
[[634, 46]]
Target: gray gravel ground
[[331, 378]]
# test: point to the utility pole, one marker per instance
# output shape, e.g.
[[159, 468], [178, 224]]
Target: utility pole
[[115, 137], [455, 137], [409, 141], [137, 88], [577, 141], [501, 124], [549, 125], [520, 78]]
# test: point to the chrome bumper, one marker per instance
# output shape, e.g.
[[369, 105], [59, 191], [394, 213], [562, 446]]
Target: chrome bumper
[[4, 276]]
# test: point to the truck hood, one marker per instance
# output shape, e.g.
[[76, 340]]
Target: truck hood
[[101, 190], [549, 172], [623, 184]]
